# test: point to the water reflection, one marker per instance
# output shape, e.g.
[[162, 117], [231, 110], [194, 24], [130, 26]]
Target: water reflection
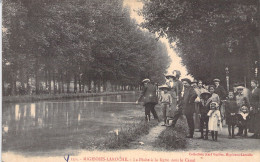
[[47, 125]]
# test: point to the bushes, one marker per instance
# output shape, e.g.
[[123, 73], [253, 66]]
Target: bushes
[[173, 138]]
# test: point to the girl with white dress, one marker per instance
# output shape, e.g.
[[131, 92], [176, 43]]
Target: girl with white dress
[[214, 124]]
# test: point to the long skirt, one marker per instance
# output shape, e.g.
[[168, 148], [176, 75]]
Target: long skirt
[[172, 108], [253, 123]]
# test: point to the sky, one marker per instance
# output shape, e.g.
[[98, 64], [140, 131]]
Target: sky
[[175, 59]]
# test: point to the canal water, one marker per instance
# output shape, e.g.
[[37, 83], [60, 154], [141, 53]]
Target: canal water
[[47, 125]]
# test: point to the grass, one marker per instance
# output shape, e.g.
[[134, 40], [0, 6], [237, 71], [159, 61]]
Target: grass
[[123, 138], [32, 98], [173, 138]]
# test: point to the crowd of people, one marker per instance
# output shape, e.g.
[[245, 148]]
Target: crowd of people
[[204, 106]]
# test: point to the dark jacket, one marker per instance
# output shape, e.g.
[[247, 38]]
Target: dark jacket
[[148, 95], [255, 98], [220, 90], [187, 101], [204, 108], [231, 107]]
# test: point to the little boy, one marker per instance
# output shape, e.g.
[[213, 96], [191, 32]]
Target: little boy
[[231, 111], [166, 101]]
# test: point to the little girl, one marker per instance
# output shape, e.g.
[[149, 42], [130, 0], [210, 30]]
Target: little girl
[[243, 117], [214, 124]]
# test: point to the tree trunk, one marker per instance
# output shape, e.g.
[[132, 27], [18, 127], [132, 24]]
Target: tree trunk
[[68, 86], [62, 83], [75, 84], [54, 83], [49, 80], [79, 78]]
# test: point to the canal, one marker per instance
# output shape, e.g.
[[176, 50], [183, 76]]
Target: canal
[[50, 125]]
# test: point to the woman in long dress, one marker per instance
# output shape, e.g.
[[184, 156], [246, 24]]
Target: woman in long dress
[[254, 126]]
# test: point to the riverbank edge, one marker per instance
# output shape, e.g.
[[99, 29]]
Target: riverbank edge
[[33, 98]]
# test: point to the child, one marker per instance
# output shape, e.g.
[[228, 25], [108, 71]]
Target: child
[[203, 113], [242, 119], [214, 124], [166, 101], [231, 111]]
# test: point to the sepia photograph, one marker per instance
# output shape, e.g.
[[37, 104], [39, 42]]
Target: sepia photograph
[[130, 80]]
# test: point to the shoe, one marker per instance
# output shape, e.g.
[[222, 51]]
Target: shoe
[[238, 134], [189, 136], [163, 125], [201, 137], [253, 136]]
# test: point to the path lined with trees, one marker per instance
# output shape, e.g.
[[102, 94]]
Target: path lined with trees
[[49, 44]]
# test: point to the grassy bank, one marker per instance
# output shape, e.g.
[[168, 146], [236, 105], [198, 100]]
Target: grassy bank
[[32, 98], [121, 139], [173, 138]]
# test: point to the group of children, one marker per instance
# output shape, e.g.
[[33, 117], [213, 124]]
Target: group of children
[[210, 115]]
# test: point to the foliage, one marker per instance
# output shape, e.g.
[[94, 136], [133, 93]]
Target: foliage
[[55, 42], [208, 35], [173, 138]]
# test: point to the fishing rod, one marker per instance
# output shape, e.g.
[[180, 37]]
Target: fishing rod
[[95, 102]]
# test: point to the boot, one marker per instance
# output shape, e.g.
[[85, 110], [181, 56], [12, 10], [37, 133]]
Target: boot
[[206, 135], [229, 131], [245, 134], [216, 135], [201, 135], [212, 135], [233, 130]]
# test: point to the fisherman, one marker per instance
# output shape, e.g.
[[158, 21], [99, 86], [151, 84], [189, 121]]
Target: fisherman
[[149, 97]]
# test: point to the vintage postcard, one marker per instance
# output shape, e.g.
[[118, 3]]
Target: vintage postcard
[[130, 80]]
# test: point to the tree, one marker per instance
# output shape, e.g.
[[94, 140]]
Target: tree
[[209, 35]]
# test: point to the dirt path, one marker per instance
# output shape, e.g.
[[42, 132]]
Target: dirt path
[[147, 142], [223, 143]]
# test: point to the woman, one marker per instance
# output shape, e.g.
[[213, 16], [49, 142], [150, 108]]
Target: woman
[[175, 87], [214, 97], [254, 126]]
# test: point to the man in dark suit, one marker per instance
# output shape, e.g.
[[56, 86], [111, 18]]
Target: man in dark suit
[[186, 106], [149, 98]]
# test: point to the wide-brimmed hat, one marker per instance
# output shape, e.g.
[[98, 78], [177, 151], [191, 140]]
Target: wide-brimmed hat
[[187, 80], [217, 105], [216, 80], [240, 87], [164, 87], [194, 81], [204, 94], [170, 75], [146, 80]]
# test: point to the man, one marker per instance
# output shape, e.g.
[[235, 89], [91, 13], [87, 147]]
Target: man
[[219, 90], [186, 106], [149, 98]]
